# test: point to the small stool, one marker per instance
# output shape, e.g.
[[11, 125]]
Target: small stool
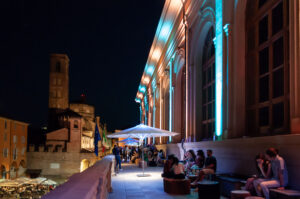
[[239, 194], [285, 193], [177, 186], [253, 197], [209, 189]]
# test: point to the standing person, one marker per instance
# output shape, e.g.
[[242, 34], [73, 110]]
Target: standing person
[[116, 152], [210, 166], [279, 174]]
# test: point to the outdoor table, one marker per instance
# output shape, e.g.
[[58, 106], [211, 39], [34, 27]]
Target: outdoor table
[[208, 189], [192, 177]]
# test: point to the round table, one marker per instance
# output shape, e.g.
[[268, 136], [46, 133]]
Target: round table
[[209, 189]]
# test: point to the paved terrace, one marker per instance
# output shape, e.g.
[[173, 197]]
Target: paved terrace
[[126, 185]]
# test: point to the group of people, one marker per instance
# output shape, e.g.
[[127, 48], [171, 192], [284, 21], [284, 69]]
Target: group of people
[[272, 173], [174, 168], [151, 155]]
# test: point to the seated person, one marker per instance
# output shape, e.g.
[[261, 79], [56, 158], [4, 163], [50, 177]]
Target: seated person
[[210, 166], [189, 159], [200, 159], [178, 169], [263, 167], [279, 177], [168, 173]]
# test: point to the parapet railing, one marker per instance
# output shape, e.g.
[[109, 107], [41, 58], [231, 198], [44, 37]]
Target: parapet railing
[[94, 182]]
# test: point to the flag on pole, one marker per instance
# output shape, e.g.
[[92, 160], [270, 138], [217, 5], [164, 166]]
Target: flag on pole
[[97, 138], [104, 137]]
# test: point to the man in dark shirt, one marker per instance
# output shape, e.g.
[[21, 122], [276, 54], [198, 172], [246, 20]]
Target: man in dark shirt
[[116, 152], [210, 167], [210, 161]]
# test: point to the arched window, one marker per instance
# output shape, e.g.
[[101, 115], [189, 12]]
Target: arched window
[[208, 86], [267, 69], [76, 124]]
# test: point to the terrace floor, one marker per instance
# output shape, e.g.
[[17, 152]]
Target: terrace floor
[[126, 185]]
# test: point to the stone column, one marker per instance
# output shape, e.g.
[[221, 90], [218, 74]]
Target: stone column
[[153, 109], [160, 106], [171, 91], [294, 65]]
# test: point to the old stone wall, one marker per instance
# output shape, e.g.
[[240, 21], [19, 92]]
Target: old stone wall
[[58, 163]]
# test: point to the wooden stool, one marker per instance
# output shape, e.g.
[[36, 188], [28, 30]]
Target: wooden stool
[[253, 197], [284, 194], [177, 186], [239, 194], [209, 189]]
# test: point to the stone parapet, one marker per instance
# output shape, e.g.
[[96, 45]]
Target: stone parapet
[[94, 182]]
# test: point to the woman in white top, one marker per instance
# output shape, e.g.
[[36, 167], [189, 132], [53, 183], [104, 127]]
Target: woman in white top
[[178, 169]]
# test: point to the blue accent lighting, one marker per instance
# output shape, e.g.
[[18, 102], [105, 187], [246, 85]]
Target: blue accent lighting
[[165, 31], [150, 70], [142, 89], [219, 65]]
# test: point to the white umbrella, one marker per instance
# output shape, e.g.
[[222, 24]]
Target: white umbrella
[[141, 132]]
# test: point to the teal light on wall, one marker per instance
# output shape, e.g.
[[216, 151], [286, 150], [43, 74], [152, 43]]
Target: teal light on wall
[[141, 114], [142, 89], [149, 70], [165, 31], [219, 65], [137, 100]]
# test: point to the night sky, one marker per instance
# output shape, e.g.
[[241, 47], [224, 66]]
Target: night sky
[[107, 42]]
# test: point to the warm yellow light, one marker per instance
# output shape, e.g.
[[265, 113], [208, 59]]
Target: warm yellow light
[[146, 80], [140, 95], [156, 54], [176, 4]]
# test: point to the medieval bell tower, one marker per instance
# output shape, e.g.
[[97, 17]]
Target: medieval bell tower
[[58, 87], [59, 81]]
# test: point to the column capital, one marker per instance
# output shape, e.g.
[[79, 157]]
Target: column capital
[[215, 41], [227, 29]]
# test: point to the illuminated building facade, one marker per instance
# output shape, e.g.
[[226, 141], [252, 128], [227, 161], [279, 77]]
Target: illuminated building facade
[[224, 74], [223, 69], [13, 147]]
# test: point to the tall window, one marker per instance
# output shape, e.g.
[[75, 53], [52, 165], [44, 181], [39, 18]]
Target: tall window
[[57, 67], [267, 70], [208, 86]]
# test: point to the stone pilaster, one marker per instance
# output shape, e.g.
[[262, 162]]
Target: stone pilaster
[[295, 65]]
